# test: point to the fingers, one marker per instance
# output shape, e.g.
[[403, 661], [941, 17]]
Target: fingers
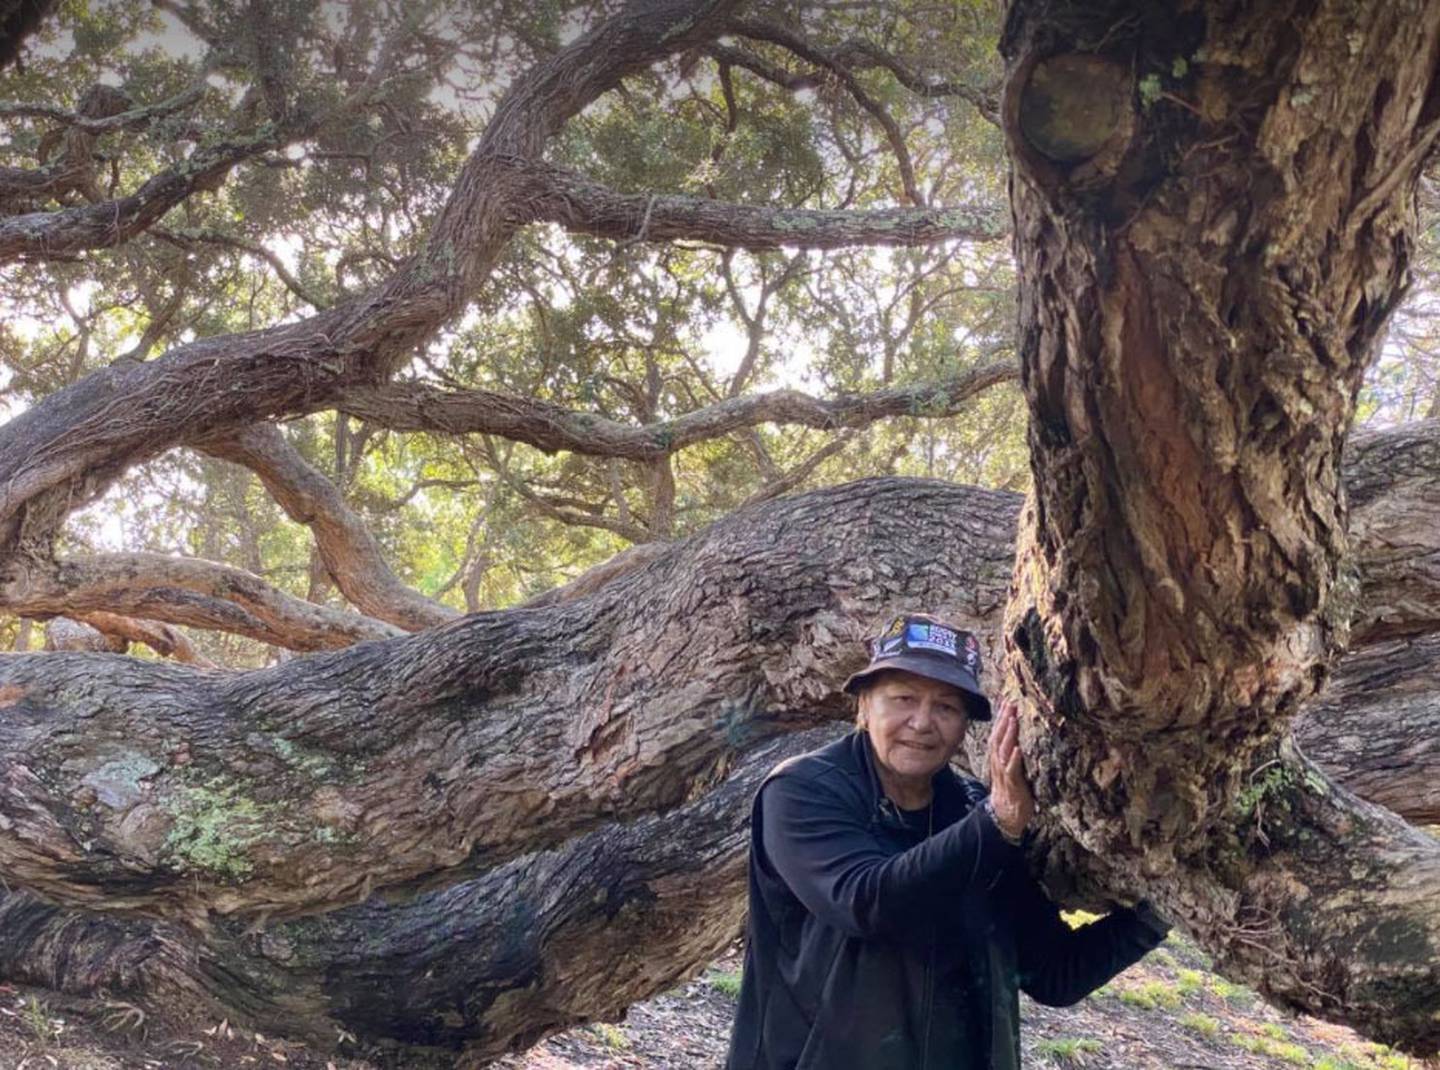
[[1004, 741]]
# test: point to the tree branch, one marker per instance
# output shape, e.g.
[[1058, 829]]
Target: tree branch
[[776, 34], [125, 120], [40, 235], [349, 551], [175, 590], [420, 407], [587, 207], [61, 452], [161, 638]]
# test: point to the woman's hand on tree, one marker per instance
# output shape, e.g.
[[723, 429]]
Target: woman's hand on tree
[[1011, 801]]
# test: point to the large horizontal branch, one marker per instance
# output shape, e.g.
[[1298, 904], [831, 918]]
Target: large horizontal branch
[[535, 763], [61, 452], [586, 675], [587, 207], [1327, 904], [417, 406], [345, 544], [431, 756], [491, 965], [180, 590]]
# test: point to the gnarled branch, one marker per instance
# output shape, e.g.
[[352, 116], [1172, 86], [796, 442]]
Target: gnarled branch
[[345, 544]]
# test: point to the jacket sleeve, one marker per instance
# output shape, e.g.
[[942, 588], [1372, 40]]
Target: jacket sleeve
[[1060, 965], [829, 857]]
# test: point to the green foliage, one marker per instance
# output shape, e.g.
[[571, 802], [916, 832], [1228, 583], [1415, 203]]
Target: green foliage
[[36, 1017], [1233, 994], [1277, 1049]]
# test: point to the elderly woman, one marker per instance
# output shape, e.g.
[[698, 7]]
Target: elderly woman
[[892, 917]]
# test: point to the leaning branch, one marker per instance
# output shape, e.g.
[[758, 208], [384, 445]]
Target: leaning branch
[[420, 407], [41, 235], [178, 590], [349, 551]]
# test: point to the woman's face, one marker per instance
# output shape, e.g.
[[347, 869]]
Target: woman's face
[[916, 724]]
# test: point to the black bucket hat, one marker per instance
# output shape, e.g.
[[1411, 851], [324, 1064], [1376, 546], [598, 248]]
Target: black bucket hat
[[928, 647]]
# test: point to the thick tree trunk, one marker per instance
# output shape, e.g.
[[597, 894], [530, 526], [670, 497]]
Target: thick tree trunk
[[1213, 211]]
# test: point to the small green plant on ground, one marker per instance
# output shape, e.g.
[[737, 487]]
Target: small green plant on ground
[[36, 1017], [612, 1036], [1326, 1062], [726, 982], [1190, 983], [1235, 995], [1150, 995], [1201, 1023], [1161, 957], [1279, 1049], [1068, 1049]]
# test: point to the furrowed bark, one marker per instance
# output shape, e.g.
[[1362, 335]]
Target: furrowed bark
[[345, 544], [1375, 728], [1208, 257], [489, 965]]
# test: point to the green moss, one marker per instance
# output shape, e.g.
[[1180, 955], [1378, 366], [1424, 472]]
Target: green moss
[[215, 825]]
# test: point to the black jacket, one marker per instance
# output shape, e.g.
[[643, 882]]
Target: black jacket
[[871, 946]]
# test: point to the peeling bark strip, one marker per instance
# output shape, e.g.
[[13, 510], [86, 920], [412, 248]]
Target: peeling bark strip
[[1203, 283]]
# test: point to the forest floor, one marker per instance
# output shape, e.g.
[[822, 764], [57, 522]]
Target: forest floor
[[1167, 1013]]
